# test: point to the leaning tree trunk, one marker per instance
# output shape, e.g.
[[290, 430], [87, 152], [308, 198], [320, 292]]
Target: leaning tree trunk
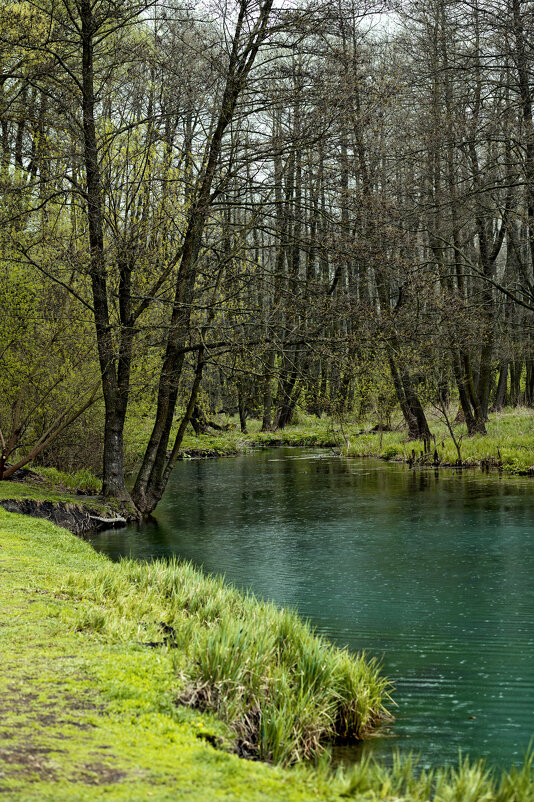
[[245, 47]]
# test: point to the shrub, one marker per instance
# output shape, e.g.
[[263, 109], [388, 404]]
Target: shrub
[[390, 452]]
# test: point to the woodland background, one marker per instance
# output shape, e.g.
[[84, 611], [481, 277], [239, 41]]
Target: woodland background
[[259, 208]]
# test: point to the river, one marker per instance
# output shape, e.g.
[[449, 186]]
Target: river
[[433, 572]]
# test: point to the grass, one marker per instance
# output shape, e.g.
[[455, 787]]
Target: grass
[[97, 656], [83, 481], [34, 491], [51, 485], [508, 445], [469, 781], [308, 432], [284, 691]]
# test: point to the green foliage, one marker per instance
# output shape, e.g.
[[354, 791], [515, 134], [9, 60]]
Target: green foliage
[[47, 367], [83, 480], [390, 452]]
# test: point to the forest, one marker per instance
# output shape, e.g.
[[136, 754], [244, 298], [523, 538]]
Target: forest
[[256, 208], [232, 224]]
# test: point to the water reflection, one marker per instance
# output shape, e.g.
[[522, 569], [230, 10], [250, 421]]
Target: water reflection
[[432, 571]]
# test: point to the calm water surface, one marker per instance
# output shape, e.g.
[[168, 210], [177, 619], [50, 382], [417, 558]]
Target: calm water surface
[[432, 572]]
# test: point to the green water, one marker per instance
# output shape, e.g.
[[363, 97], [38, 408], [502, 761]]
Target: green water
[[432, 572]]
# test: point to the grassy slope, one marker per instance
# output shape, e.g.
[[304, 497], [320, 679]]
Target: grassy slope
[[48, 484], [85, 716], [38, 492]]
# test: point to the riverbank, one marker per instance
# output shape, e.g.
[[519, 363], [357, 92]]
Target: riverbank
[[110, 673], [92, 676], [508, 445], [70, 501]]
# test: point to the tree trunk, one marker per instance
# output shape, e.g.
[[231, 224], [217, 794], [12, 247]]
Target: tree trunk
[[516, 369], [115, 396], [502, 384], [244, 50], [529, 383], [241, 409]]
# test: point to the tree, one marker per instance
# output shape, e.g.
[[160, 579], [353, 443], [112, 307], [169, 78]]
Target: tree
[[83, 45]]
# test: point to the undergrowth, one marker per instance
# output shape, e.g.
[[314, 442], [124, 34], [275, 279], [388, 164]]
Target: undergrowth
[[82, 481]]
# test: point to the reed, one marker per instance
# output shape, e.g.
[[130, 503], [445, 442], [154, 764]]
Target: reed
[[406, 781]]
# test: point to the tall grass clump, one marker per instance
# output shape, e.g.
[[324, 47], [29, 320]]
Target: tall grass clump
[[286, 691], [82, 481], [406, 781]]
